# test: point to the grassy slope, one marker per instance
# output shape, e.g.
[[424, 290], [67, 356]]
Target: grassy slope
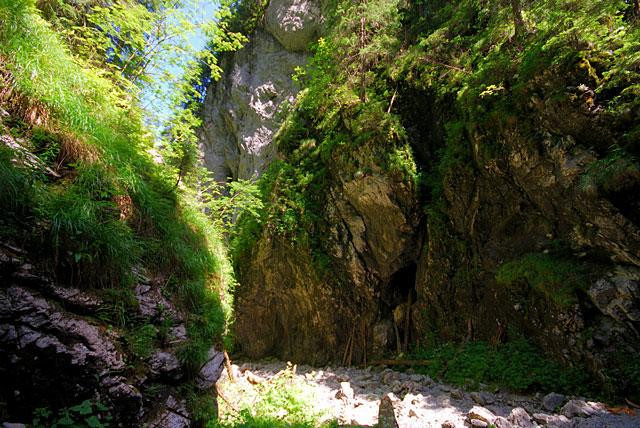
[[113, 207]]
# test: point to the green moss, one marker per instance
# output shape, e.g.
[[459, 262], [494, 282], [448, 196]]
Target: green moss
[[558, 279]]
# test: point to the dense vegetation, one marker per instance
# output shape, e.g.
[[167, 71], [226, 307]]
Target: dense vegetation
[[432, 93], [359, 90], [81, 189], [101, 191]]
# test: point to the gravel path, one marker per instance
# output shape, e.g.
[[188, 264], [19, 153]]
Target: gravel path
[[352, 396]]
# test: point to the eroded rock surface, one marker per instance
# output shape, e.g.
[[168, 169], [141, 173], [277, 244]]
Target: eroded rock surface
[[286, 309], [240, 112], [56, 351], [382, 273]]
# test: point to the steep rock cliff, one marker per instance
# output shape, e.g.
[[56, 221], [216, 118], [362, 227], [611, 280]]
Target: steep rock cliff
[[240, 112], [308, 316], [511, 234], [57, 350]]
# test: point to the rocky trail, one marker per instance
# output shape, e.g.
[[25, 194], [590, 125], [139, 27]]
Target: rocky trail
[[352, 396]]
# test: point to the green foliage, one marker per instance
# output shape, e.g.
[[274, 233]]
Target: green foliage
[[556, 278], [47, 145], [282, 402], [88, 414], [141, 341], [119, 305], [240, 198], [624, 376], [202, 407], [113, 208], [516, 365], [86, 235]]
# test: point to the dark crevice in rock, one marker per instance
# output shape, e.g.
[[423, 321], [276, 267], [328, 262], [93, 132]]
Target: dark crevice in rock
[[401, 284]]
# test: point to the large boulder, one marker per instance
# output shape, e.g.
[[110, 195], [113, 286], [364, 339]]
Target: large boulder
[[295, 23]]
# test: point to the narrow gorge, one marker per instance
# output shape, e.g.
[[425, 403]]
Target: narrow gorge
[[445, 190], [520, 240]]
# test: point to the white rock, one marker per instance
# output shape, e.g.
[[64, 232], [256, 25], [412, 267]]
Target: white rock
[[294, 23], [480, 413], [580, 408], [520, 418], [345, 392], [551, 420]]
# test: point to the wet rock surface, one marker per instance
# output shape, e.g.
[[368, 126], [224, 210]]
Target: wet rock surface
[[422, 402]]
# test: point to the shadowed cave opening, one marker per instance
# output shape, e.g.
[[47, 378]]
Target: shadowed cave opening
[[398, 297]]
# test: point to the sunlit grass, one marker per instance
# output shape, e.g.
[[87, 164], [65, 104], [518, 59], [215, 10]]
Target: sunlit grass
[[81, 227]]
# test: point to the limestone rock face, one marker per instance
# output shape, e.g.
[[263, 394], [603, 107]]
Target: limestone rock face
[[240, 112], [293, 22], [532, 199], [285, 308], [385, 271], [56, 352]]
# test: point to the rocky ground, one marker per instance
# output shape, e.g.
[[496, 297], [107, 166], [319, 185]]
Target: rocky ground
[[352, 396]]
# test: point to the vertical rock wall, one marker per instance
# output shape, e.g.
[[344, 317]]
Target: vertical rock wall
[[389, 261], [241, 110]]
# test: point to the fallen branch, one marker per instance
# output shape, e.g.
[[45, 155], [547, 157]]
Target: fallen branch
[[452, 67], [393, 98], [346, 349], [253, 379], [227, 363], [632, 404], [401, 363]]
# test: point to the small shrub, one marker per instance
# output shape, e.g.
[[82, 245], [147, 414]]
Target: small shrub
[[89, 413]]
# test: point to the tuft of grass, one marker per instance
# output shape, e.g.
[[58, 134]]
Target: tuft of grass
[[141, 341]]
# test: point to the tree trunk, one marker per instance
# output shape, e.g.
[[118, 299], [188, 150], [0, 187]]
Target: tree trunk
[[363, 93], [636, 8], [518, 21]]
